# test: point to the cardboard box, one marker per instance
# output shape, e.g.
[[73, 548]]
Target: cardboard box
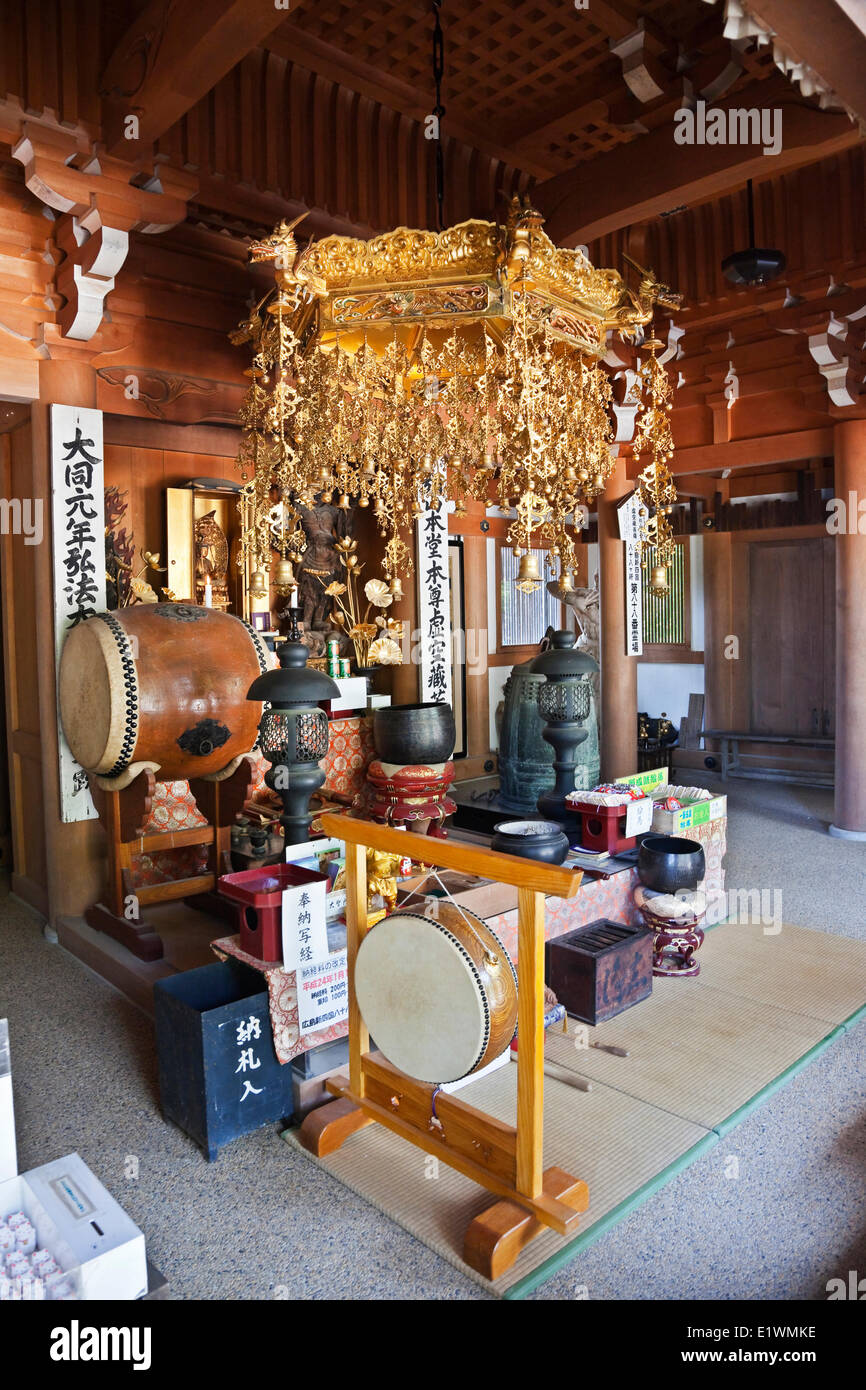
[[87, 1231], [479, 895], [692, 814], [8, 1151]]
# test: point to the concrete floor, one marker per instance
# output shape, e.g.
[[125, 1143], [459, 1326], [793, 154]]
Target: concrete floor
[[263, 1222]]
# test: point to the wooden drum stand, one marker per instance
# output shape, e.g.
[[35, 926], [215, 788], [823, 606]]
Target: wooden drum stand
[[505, 1159], [124, 815]]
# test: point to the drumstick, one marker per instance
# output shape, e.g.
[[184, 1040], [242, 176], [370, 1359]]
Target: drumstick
[[609, 1047], [558, 1073]]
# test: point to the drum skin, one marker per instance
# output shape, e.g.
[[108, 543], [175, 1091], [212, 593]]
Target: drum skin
[[161, 684], [437, 993]]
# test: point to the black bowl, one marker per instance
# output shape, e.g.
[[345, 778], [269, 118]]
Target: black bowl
[[409, 735], [668, 863], [541, 840]]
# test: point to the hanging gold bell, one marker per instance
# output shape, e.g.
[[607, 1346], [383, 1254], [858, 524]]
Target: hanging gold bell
[[284, 575], [258, 584], [528, 568], [528, 579], [659, 579], [395, 589], [566, 582]]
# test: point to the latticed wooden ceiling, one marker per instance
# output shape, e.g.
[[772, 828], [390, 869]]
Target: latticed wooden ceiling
[[538, 80], [322, 107]]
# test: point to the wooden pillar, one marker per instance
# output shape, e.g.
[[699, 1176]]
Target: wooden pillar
[[75, 854], [618, 671], [850, 810]]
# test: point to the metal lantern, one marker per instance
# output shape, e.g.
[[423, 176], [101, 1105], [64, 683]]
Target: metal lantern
[[564, 704], [293, 734]]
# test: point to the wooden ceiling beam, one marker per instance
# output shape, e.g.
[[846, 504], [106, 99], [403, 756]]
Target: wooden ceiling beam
[[169, 58], [829, 36], [316, 55], [742, 455], [653, 174]]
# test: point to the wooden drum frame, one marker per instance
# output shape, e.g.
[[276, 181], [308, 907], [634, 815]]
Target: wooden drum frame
[[505, 1159]]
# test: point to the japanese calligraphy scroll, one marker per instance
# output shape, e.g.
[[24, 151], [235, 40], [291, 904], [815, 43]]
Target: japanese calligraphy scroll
[[78, 540], [434, 607]]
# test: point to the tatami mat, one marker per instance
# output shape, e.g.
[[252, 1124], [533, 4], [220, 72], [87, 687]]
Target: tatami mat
[[700, 1050], [615, 1143]]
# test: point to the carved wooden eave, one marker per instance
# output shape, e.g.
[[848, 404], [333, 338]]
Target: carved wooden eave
[[97, 206]]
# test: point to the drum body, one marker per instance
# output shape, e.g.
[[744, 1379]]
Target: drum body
[[437, 992], [160, 685]]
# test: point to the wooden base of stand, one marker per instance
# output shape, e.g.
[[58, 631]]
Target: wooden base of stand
[[496, 1237], [139, 937], [326, 1127]]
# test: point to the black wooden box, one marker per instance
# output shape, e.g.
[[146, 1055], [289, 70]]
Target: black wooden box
[[218, 1073], [598, 970]]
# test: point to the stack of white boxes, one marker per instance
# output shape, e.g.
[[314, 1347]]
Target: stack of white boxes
[[97, 1249]]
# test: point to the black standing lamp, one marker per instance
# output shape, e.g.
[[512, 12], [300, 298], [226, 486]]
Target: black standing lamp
[[564, 704], [293, 733]]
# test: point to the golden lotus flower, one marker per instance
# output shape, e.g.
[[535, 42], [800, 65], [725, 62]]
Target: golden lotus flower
[[153, 560], [378, 593], [385, 652], [142, 590], [363, 632], [335, 588]]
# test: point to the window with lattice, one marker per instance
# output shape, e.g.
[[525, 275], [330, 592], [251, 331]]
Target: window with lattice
[[666, 616]]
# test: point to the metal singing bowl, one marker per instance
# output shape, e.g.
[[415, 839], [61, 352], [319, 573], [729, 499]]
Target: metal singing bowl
[[668, 863]]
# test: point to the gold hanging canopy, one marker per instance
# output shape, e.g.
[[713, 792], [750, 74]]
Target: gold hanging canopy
[[422, 366]]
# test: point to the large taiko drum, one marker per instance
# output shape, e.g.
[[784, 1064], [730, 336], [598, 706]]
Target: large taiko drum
[[437, 992], [160, 686]]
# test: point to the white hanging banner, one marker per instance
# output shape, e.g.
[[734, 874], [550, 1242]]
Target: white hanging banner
[[434, 606], [78, 540], [629, 514]]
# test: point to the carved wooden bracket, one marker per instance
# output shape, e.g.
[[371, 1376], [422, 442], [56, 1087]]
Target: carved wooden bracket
[[838, 352], [642, 72], [98, 207], [834, 327]]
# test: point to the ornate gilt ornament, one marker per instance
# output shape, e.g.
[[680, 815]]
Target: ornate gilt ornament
[[417, 366]]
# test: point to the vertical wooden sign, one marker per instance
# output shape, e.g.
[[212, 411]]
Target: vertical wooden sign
[[78, 540]]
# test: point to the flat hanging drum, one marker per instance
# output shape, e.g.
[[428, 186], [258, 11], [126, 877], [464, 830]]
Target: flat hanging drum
[[163, 686], [437, 992]]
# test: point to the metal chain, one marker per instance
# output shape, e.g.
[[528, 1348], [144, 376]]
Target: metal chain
[[439, 109]]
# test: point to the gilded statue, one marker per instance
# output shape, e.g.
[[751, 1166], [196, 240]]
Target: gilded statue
[[211, 561], [381, 878]]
